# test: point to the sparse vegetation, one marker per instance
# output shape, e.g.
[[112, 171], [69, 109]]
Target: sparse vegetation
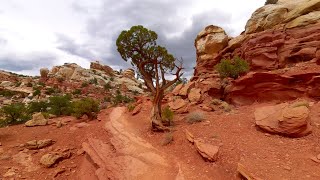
[[18, 84], [50, 91], [60, 79], [195, 117], [14, 114], [271, 2], [167, 116], [111, 78], [60, 105], [93, 81], [86, 106], [29, 84], [84, 84], [7, 93], [36, 92], [232, 68], [40, 106], [131, 107], [76, 92], [107, 86]]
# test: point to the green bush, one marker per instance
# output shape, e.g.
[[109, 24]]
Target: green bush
[[36, 92], [14, 114], [107, 86], [84, 84], [77, 91], [111, 78], [7, 93], [167, 116], [271, 2], [93, 81], [232, 68], [87, 106], [40, 106], [50, 91], [119, 98], [195, 117], [131, 107], [29, 84], [18, 84], [60, 105]]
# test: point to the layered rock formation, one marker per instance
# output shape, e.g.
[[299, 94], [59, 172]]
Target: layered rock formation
[[277, 37]]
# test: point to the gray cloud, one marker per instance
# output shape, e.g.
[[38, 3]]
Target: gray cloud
[[159, 16], [13, 62]]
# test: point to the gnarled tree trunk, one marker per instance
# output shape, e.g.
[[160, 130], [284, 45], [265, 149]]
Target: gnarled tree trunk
[[156, 118]]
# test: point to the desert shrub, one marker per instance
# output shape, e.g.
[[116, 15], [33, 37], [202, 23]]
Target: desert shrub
[[50, 91], [29, 84], [60, 105], [167, 115], [40, 106], [84, 84], [107, 86], [18, 84], [111, 78], [271, 2], [93, 81], [7, 93], [195, 117], [119, 98], [86, 106], [232, 68], [14, 114], [107, 99], [140, 86], [76, 91], [135, 92], [60, 79], [36, 92], [42, 84], [167, 139], [131, 107]]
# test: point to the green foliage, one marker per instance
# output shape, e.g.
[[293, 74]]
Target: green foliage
[[60, 105], [18, 84], [7, 93], [119, 98], [232, 68], [29, 84], [111, 78], [50, 91], [195, 117], [36, 92], [93, 81], [40, 106], [14, 114], [87, 106], [131, 107], [271, 2], [139, 45], [107, 86], [42, 84], [84, 84], [76, 92], [167, 115]]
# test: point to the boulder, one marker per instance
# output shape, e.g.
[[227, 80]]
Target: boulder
[[97, 66], [38, 144], [6, 84], [129, 73], [194, 95], [184, 91], [207, 151], [177, 104], [44, 72], [177, 89], [52, 158], [37, 120], [284, 119]]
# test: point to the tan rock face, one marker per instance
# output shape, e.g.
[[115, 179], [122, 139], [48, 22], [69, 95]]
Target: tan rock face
[[129, 73], [50, 159], [177, 104], [285, 119], [209, 42], [184, 91], [38, 144], [194, 95], [96, 65], [37, 120]]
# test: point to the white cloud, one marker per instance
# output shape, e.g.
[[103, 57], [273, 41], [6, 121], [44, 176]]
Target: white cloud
[[83, 30]]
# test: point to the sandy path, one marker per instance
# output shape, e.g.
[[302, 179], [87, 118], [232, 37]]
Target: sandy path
[[128, 156]]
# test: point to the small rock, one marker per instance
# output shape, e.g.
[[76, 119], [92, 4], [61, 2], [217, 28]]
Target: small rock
[[50, 159], [34, 144], [315, 159], [207, 151], [59, 124], [189, 136], [80, 152], [81, 125], [11, 172], [137, 109], [287, 168]]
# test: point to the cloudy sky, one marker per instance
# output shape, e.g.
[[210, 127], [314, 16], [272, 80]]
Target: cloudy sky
[[43, 33]]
